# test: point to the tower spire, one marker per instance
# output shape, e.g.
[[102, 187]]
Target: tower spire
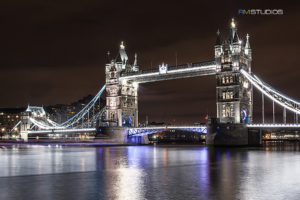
[[232, 23], [247, 43], [135, 60], [122, 45]]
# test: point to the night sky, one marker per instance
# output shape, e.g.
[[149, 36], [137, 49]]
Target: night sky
[[54, 52]]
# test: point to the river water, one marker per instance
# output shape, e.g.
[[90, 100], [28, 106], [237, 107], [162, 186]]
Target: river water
[[150, 172]]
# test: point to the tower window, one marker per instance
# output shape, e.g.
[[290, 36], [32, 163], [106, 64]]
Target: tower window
[[227, 79], [227, 111], [231, 79], [223, 79]]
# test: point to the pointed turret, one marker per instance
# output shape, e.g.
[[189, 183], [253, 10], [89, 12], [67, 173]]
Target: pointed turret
[[218, 42], [247, 43], [236, 38], [135, 60], [248, 50], [232, 31], [118, 58], [128, 67]]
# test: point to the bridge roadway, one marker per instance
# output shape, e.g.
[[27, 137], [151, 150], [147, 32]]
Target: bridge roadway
[[173, 72], [140, 131]]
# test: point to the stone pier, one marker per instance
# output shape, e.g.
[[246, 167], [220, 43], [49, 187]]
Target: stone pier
[[232, 135]]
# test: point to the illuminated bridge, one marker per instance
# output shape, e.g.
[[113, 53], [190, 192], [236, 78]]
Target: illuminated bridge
[[232, 68]]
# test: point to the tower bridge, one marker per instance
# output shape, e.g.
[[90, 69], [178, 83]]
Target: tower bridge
[[235, 81]]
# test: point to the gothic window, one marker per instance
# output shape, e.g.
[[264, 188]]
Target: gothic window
[[231, 110], [224, 95], [227, 79], [227, 95], [223, 111], [231, 95], [223, 79], [227, 111], [231, 79]]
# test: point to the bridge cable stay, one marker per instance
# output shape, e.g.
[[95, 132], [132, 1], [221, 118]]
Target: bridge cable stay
[[94, 118], [72, 120], [16, 125], [272, 93], [86, 109], [42, 124]]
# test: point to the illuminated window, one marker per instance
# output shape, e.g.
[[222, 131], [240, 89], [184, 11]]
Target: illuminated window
[[227, 111], [8, 116], [227, 95], [224, 95], [231, 95], [231, 110], [223, 79], [246, 84], [223, 111], [231, 79], [227, 79]]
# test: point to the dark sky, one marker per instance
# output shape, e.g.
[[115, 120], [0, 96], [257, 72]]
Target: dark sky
[[55, 51]]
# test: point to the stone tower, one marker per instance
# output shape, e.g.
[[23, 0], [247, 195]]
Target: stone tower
[[234, 92], [121, 96]]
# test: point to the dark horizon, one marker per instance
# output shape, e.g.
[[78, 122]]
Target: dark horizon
[[55, 52]]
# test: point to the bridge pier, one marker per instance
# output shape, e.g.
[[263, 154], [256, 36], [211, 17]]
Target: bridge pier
[[232, 135]]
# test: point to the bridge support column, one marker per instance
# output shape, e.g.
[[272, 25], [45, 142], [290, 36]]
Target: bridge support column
[[24, 136], [284, 115], [25, 125]]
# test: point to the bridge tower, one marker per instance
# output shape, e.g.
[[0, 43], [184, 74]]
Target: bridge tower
[[121, 97], [234, 92]]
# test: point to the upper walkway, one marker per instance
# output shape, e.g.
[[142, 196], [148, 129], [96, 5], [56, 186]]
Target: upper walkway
[[172, 72]]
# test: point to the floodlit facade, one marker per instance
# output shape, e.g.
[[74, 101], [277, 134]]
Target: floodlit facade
[[121, 96], [234, 91]]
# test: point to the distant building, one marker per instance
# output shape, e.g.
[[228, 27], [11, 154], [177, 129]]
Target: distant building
[[9, 117], [61, 112]]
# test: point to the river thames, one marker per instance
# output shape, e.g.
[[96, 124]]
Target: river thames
[[150, 172]]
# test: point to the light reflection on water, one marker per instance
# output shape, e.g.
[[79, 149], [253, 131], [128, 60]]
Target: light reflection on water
[[150, 172]]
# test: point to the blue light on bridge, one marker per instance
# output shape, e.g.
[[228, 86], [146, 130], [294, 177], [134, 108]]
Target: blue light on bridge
[[227, 127], [218, 127]]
